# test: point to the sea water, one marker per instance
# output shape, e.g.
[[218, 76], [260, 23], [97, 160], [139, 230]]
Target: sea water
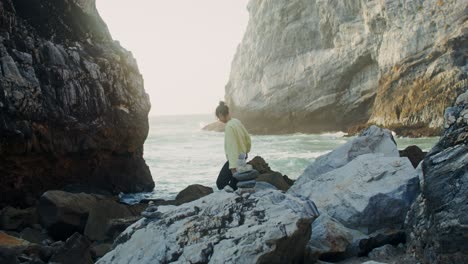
[[179, 153]]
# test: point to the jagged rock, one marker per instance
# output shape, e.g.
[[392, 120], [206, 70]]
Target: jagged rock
[[97, 224], [117, 226], [373, 140], [436, 224], [414, 154], [266, 227], [281, 182], [274, 178], [100, 250], [364, 187], [192, 193], [260, 165], [75, 251], [16, 219], [215, 126], [34, 235], [381, 238], [63, 214], [313, 66], [330, 240], [383, 252], [72, 106]]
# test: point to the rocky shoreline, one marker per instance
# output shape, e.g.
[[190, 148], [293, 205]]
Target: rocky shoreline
[[74, 117], [375, 203]]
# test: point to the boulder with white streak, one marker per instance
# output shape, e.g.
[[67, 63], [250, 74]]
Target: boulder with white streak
[[265, 227]]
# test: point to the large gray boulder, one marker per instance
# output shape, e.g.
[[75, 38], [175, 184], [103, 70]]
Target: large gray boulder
[[437, 223], [369, 193], [265, 227], [361, 188], [372, 140]]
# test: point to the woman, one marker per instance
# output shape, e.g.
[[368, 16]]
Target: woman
[[236, 142]]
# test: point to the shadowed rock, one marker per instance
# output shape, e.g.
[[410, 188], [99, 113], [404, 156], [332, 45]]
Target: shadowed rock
[[281, 182], [436, 224], [72, 104], [414, 154], [364, 188]]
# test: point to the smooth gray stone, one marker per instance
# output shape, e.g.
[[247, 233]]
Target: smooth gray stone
[[245, 176], [246, 184]]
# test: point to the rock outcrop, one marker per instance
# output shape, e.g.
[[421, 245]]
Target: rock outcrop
[[437, 223], [312, 66], [264, 227], [363, 189], [276, 179], [72, 104], [63, 214]]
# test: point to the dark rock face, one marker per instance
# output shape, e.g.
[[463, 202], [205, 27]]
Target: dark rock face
[[192, 193], [72, 104], [76, 250], [281, 182], [414, 154], [99, 218], [63, 214], [15, 219], [436, 224]]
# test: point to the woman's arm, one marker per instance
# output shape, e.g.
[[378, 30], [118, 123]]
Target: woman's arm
[[232, 151]]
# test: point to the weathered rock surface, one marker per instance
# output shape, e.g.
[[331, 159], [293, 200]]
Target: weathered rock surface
[[373, 140], [265, 227], [16, 219], [280, 181], [63, 214], [311, 66], [72, 104], [362, 189], [99, 219], [437, 223], [75, 251]]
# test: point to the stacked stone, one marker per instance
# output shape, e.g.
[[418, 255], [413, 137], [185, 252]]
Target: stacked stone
[[246, 177]]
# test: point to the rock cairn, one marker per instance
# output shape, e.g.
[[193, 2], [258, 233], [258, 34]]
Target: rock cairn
[[246, 176]]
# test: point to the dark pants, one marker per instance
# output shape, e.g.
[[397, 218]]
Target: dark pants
[[225, 178]]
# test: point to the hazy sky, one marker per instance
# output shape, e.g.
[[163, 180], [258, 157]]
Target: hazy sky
[[184, 48]]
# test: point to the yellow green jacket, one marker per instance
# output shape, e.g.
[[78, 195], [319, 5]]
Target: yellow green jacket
[[236, 141]]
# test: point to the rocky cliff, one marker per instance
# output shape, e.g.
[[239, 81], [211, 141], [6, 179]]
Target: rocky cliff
[[311, 66], [72, 104], [437, 223]]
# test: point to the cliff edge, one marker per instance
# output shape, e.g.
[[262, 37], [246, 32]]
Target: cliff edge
[[73, 109], [314, 66]]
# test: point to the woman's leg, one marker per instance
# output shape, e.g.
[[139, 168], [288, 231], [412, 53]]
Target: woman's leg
[[225, 175]]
